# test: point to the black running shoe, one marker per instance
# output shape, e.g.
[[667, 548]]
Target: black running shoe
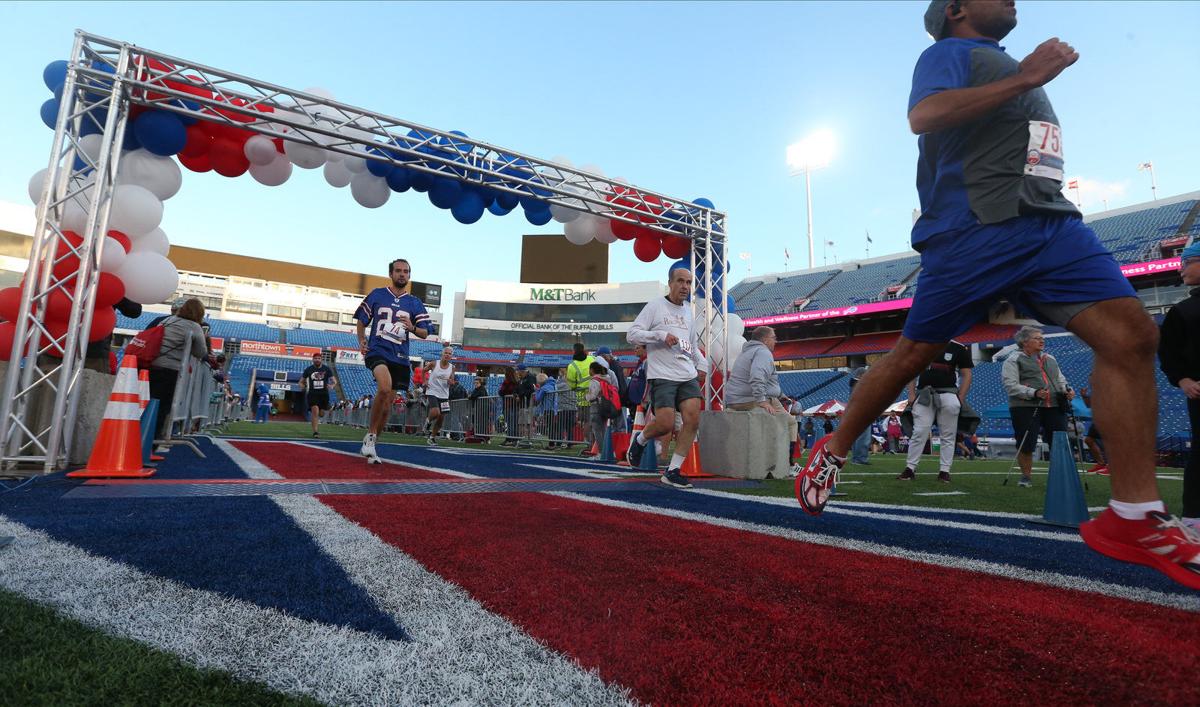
[[634, 455], [907, 475], [944, 477], [672, 477]]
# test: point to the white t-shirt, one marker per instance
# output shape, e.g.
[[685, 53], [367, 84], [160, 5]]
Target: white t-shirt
[[674, 363], [438, 385]]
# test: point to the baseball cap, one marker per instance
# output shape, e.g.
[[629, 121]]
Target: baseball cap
[[1192, 251], [603, 363], [935, 18], [603, 351], [521, 367]]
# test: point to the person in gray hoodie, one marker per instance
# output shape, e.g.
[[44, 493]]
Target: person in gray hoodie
[[754, 382], [1038, 396]]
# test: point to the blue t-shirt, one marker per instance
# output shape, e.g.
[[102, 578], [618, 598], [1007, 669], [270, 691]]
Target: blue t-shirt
[[264, 395], [1006, 164], [385, 313]]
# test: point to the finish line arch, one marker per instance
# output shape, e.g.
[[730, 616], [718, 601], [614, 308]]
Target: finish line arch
[[106, 79]]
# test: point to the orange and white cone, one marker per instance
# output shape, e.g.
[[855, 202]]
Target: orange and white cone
[[117, 452], [639, 424], [691, 464], [144, 391]]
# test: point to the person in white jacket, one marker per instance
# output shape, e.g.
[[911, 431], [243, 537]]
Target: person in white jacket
[[674, 371]]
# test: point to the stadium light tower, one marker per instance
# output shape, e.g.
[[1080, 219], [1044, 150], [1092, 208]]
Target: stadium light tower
[[813, 152]]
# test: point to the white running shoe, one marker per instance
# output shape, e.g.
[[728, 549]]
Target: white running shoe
[[373, 458], [368, 446]]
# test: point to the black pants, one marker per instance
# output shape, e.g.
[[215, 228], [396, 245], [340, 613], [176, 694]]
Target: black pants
[[1027, 425], [1191, 474], [162, 389]]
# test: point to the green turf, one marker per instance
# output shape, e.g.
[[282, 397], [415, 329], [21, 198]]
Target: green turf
[[51, 660], [980, 480]]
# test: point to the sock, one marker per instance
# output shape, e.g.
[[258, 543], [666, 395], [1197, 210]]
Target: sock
[[677, 461], [1136, 511], [641, 438]]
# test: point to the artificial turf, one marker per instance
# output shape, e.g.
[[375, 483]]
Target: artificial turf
[[52, 660]]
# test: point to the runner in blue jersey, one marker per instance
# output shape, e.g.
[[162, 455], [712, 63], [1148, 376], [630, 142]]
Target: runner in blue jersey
[[994, 225], [387, 318]]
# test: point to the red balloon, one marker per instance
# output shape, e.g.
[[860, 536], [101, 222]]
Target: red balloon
[[228, 158], [57, 329], [71, 237], [647, 248], [10, 303], [66, 268], [198, 142], [8, 331], [122, 239], [625, 231], [104, 320], [58, 305], [676, 247], [200, 163], [110, 290]]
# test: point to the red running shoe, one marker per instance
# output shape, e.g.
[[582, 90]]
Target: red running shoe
[[1159, 540], [815, 484], [1101, 469]]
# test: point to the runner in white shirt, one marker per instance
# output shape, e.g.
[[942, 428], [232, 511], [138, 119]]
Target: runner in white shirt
[[674, 372], [437, 392]]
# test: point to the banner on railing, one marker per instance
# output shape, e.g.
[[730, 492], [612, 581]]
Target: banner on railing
[[305, 351], [218, 344], [259, 347], [349, 356]]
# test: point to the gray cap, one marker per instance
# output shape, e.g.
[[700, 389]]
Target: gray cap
[[935, 18]]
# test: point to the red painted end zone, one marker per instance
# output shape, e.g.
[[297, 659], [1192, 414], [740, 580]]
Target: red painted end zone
[[294, 461]]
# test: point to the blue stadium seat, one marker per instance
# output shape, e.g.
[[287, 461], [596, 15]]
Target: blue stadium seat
[[320, 337]]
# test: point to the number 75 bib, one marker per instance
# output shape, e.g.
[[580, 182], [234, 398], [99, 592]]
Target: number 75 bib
[[1044, 156]]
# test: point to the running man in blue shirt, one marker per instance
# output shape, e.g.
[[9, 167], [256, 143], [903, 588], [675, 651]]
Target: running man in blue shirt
[[387, 318], [994, 225]]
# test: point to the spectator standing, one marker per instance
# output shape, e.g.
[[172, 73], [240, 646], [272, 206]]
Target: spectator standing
[[1092, 439], [938, 394], [1179, 354], [578, 377], [546, 400], [1038, 395], [861, 449], [172, 356], [510, 405], [894, 431], [754, 383]]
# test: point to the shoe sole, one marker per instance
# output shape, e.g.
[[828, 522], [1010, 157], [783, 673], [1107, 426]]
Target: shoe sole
[[817, 447], [906, 478], [668, 482], [374, 460], [1126, 553]]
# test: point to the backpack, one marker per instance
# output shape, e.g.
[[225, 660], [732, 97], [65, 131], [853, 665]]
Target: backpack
[[609, 402], [146, 346]]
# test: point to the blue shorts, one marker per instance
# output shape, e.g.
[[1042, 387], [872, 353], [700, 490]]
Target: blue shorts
[[1052, 267]]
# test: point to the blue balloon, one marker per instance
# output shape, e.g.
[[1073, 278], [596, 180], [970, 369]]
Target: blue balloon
[[445, 193], [421, 181], [49, 113], [538, 217], [55, 74], [160, 132], [532, 203], [379, 169], [469, 208], [678, 265], [190, 105], [92, 122], [703, 202], [400, 179], [507, 201], [130, 142], [497, 209], [730, 304]]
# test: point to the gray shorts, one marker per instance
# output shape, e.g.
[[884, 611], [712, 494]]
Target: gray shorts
[[670, 394]]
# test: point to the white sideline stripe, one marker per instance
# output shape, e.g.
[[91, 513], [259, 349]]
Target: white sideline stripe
[[114, 410], [461, 654], [1188, 602], [941, 493]]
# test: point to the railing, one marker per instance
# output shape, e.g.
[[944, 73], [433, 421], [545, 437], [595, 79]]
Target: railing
[[517, 421]]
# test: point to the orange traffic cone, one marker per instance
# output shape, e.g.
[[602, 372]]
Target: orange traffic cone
[[144, 392], [691, 465], [118, 448], [639, 424]]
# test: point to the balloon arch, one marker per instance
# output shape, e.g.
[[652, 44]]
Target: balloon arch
[[122, 115]]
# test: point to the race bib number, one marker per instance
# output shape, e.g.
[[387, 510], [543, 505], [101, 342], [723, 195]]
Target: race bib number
[[318, 384], [685, 348], [393, 325], [445, 407], [1044, 155]]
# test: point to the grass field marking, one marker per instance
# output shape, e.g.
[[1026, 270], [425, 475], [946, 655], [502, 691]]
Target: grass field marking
[[940, 493], [1186, 602], [849, 510]]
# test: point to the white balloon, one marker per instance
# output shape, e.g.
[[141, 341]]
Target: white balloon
[[113, 255], [135, 210], [304, 156], [36, 182], [602, 228], [579, 231], [735, 350], [370, 191], [260, 150], [90, 146], [161, 175], [336, 174], [355, 164], [149, 277], [274, 173], [320, 92], [736, 326], [153, 242]]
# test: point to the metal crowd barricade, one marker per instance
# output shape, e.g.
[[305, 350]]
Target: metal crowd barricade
[[180, 409]]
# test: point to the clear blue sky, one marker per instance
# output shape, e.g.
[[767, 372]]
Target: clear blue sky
[[691, 99]]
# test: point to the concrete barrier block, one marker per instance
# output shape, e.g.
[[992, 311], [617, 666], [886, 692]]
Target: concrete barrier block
[[744, 445], [94, 391]]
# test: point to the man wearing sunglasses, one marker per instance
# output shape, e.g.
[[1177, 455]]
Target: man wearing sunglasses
[[1179, 357]]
